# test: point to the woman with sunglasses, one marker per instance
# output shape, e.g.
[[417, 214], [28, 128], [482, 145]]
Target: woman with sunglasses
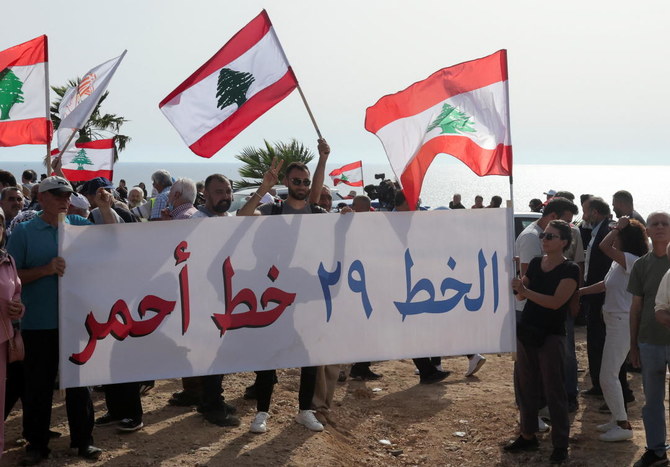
[[625, 243], [11, 309], [549, 283]]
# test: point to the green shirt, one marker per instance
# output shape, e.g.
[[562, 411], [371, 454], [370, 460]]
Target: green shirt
[[644, 280]]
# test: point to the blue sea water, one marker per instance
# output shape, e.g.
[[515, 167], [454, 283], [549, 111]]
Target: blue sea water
[[650, 185]]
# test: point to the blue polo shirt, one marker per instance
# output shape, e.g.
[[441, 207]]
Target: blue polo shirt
[[33, 244]]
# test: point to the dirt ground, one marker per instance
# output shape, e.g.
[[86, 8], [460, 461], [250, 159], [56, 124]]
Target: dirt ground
[[459, 422]]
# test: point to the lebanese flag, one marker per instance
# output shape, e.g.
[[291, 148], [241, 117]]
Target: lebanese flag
[[85, 161], [350, 174], [79, 102], [242, 81], [23, 95], [460, 110]]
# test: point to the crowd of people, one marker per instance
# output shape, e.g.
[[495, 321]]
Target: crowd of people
[[605, 270], [610, 272]]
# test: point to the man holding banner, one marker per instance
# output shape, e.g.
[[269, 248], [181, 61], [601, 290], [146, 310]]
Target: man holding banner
[[34, 246]]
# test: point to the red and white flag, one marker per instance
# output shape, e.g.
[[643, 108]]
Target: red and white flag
[[243, 80], [460, 110], [79, 102], [350, 174], [85, 161], [23, 96]]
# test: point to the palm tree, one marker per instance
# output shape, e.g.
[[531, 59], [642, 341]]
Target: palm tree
[[98, 126], [257, 160]]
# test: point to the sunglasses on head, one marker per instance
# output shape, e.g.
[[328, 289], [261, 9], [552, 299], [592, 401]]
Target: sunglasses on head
[[549, 236], [298, 181]]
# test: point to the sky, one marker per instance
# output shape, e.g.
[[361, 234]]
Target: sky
[[588, 79]]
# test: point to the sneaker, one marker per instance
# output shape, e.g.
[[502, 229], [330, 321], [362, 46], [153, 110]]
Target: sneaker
[[129, 425], [367, 375], [558, 456], [89, 452], [439, 367], [649, 458], [307, 419], [616, 434], [259, 425], [523, 444], [605, 427], [416, 371], [106, 419], [221, 417], [231, 409], [474, 364], [542, 427], [544, 414], [435, 377]]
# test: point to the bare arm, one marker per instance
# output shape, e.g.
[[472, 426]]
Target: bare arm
[[320, 172], [270, 179], [55, 266], [566, 288], [598, 287], [607, 243], [635, 317]]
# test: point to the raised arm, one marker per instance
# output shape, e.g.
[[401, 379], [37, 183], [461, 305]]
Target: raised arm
[[607, 243], [320, 172]]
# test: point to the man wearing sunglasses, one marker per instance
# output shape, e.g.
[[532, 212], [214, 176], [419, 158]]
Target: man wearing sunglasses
[[301, 200]]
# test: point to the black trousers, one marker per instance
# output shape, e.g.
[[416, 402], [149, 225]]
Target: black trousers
[[14, 386], [124, 401], [265, 381], [40, 369], [426, 365], [212, 392]]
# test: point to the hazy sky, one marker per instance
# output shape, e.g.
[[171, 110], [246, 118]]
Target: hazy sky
[[588, 79]]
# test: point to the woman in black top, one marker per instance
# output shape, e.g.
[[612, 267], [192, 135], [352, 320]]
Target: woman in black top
[[549, 283]]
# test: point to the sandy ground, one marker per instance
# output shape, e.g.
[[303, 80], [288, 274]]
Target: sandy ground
[[459, 422]]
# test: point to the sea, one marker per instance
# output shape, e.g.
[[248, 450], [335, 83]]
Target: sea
[[649, 185]]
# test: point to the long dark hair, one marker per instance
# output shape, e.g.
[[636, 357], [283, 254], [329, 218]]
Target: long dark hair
[[633, 238]]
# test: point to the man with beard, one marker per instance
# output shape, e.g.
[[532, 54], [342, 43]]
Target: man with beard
[[299, 201], [218, 197]]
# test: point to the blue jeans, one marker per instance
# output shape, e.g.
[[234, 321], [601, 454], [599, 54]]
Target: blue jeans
[[655, 360]]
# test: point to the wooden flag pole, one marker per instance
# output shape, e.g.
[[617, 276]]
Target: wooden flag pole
[[309, 111]]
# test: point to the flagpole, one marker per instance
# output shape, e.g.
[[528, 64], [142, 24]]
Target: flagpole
[[46, 93], [302, 95]]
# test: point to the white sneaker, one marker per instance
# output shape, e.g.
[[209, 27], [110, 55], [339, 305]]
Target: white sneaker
[[617, 434], [307, 419], [474, 364], [259, 425], [605, 427], [416, 371], [541, 426]]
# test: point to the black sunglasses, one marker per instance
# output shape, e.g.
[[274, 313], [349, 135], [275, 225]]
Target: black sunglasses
[[549, 236], [298, 181]]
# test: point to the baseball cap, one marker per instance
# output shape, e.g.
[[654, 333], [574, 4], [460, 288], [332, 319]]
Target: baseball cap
[[56, 184], [550, 192], [91, 187], [79, 201]]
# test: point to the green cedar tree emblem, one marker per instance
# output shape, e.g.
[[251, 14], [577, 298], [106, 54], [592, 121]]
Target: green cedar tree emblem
[[344, 178], [81, 159], [232, 87], [10, 92], [451, 120]]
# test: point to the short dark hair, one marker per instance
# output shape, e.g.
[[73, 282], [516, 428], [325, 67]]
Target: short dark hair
[[496, 201], [295, 166], [558, 205], [480, 197], [399, 198], [565, 194], [218, 177], [6, 178], [564, 231], [623, 195], [584, 197], [29, 174], [7, 189], [600, 206], [634, 239]]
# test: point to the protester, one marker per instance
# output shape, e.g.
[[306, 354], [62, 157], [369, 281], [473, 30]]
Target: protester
[[299, 201], [496, 202], [11, 202], [11, 309], [135, 197], [624, 244], [548, 284], [455, 203], [535, 205], [33, 245], [649, 342], [479, 202], [622, 204], [180, 200], [162, 181]]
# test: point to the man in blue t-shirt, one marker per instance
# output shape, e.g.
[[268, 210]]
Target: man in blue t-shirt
[[34, 247]]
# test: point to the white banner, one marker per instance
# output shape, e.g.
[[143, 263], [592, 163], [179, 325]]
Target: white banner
[[221, 295]]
